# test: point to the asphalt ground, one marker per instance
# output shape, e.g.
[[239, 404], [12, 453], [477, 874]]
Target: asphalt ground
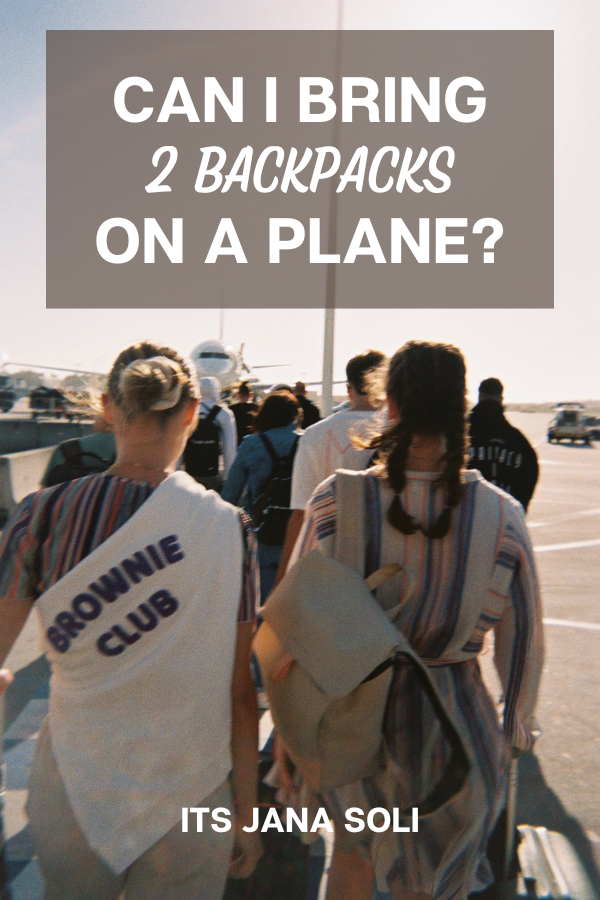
[[559, 784]]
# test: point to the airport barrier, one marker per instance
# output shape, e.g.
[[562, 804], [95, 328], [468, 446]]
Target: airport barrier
[[20, 474], [24, 433]]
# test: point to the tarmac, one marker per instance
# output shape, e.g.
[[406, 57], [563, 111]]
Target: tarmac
[[558, 782]]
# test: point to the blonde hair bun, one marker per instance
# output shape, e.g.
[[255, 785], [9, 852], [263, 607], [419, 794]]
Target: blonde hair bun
[[150, 385]]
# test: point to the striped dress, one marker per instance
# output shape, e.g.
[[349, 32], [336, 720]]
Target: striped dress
[[52, 530], [428, 603]]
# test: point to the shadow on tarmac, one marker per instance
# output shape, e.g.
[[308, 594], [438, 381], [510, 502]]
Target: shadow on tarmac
[[537, 804], [30, 683], [570, 445]]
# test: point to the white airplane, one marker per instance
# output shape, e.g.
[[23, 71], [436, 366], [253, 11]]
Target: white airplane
[[216, 359]]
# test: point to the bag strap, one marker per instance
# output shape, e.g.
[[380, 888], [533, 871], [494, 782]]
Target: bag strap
[[458, 766], [212, 415], [257, 512], [350, 536], [71, 451], [76, 456], [277, 463], [294, 447], [270, 448]]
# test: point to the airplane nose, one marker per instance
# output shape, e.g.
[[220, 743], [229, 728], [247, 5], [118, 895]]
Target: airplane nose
[[214, 359], [213, 366]]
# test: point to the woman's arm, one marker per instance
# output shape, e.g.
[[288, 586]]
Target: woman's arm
[[6, 678], [519, 647], [244, 749], [13, 615], [18, 576], [312, 528], [237, 477], [294, 527]]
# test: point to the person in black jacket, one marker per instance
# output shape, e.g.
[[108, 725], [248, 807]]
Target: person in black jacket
[[243, 411], [500, 451], [310, 412]]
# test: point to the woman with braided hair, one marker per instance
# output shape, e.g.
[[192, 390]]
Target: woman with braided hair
[[467, 567]]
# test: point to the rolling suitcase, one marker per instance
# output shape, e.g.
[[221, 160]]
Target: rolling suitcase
[[545, 866], [548, 865]]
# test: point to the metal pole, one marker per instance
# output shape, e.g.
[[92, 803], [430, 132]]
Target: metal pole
[[329, 331], [328, 337]]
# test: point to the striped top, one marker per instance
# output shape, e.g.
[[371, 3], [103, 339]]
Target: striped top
[[427, 601], [52, 530], [479, 577]]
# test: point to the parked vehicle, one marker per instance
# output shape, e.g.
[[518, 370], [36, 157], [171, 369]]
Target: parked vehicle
[[49, 402], [593, 424], [7, 396], [7, 399], [569, 425]]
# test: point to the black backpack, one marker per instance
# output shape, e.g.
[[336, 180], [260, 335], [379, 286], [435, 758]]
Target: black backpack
[[272, 509], [201, 454], [77, 463]]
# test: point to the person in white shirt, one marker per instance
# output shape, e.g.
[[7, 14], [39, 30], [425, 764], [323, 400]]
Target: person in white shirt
[[328, 445]]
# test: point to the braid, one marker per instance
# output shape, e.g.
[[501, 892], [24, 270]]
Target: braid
[[455, 459], [400, 439], [395, 452], [427, 384]]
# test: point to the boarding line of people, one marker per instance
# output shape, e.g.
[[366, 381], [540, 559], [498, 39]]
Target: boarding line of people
[[146, 587], [497, 449]]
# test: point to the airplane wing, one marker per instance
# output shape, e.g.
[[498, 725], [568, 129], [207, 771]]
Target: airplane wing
[[52, 368]]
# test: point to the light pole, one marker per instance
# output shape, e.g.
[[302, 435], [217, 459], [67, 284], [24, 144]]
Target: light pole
[[329, 330]]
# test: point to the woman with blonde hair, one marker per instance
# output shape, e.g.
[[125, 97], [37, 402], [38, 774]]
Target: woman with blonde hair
[[467, 568], [147, 624]]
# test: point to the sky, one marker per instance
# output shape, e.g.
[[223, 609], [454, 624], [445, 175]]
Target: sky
[[540, 355]]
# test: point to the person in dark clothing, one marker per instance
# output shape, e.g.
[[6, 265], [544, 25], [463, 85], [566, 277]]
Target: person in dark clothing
[[253, 467], [500, 451], [243, 411], [310, 412]]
